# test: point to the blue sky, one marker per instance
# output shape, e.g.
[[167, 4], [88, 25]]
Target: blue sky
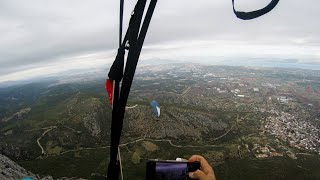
[[40, 38]]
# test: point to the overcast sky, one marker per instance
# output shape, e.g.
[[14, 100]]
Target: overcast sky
[[41, 37]]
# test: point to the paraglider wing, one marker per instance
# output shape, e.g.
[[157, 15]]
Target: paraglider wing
[[109, 88], [155, 108]]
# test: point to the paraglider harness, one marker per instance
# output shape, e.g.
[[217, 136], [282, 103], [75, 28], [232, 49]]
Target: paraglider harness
[[133, 42]]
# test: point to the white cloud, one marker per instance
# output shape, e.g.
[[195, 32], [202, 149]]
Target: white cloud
[[39, 35], [82, 62], [231, 49]]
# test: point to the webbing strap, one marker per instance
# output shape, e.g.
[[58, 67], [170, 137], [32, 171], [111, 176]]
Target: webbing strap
[[136, 41], [255, 14], [121, 22]]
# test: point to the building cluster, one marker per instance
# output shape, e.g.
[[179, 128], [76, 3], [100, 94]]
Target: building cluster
[[265, 151], [284, 99], [296, 131]]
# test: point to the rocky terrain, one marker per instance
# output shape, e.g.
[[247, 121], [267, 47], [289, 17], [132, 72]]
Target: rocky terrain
[[10, 170], [86, 111], [176, 123], [18, 115]]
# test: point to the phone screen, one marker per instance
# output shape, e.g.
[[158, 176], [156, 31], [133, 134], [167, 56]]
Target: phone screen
[[167, 170]]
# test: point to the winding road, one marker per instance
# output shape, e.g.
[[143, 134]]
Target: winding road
[[45, 128], [48, 129], [158, 140], [131, 107], [44, 133], [141, 139]]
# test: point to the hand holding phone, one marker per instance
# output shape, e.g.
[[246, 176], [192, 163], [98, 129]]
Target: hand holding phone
[[170, 170], [205, 172]]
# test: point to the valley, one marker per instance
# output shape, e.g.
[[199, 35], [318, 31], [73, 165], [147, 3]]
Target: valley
[[248, 122]]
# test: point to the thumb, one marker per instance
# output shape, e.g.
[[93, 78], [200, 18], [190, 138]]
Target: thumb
[[198, 174]]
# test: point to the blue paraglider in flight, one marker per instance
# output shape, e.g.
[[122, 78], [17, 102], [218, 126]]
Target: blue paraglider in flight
[[155, 108]]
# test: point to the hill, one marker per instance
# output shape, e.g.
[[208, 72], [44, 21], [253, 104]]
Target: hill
[[259, 119]]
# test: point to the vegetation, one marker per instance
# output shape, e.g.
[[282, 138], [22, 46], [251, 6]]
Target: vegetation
[[200, 114]]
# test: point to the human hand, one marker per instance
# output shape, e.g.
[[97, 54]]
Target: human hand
[[205, 172]]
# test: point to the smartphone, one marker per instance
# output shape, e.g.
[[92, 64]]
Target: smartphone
[[167, 170]]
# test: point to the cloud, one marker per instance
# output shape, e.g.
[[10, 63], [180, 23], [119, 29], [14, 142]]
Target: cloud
[[39, 34], [88, 62], [42, 32]]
